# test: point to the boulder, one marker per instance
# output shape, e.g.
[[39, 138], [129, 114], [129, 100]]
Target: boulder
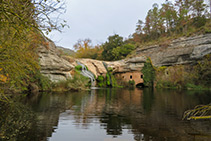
[[52, 64]]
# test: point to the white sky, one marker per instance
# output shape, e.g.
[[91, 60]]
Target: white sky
[[98, 19]]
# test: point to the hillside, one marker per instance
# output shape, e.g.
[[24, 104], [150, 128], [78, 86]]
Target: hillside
[[66, 51]]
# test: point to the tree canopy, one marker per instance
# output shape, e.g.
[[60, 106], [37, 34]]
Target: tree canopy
[[180, 17]]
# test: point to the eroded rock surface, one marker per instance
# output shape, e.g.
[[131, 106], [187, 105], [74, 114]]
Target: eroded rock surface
[[52, 64], [180, 51], [121, 66], [128, 65]]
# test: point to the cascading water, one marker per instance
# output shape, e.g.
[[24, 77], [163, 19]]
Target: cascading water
[[87, 73]]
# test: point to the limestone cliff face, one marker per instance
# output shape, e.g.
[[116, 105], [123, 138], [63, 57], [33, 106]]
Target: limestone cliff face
[[52, 64], [122, 66], [128, 65], [180, 51]]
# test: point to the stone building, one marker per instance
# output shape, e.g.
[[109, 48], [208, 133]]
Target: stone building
[[137, 76]]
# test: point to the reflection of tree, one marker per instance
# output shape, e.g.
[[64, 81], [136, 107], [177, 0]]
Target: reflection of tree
[[113, 124], [17, 122], [148, 99]]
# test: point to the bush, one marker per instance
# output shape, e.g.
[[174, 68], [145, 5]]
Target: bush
[[100, 81], [149, 73], [78, 82], [78, 67], [203, 71], [194, 87]]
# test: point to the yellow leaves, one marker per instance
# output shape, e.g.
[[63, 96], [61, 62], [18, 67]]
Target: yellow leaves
[[3, 78]]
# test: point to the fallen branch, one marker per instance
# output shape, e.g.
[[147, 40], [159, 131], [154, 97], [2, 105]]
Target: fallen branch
[[199, 112]]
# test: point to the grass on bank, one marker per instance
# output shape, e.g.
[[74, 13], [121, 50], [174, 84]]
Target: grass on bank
[[77, 83]]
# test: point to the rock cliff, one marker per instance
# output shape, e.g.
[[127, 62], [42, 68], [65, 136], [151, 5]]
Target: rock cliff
[[52, 64], [180, 51], [126, 65]]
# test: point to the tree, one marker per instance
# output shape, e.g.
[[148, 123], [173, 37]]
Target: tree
[[139, 27], [154, 19], [113, 42], [84, 49], [149, 73], [21, 22], [183, 7], [122, 51], [210, 8], [198, 8], [33, 14], [148, 23], [169, 15]]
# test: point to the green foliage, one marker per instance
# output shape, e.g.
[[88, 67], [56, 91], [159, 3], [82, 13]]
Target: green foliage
[[181, 18], [115, 48], [108, 83], [19, 38], [131, 84], [203, 71], [194, 87], [78, 82], [86, 50], [121, 52], [112, 43], [100, 81], [110, 69], [114, 82], [207, 27], [43, 82], [166, 84], [16, 120], [149, 73], [103, 82], [196, 77], [78, 67]]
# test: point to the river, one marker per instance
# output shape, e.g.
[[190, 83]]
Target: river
[[105, 115]]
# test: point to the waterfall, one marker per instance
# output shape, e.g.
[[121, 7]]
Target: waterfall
[[87, 73]]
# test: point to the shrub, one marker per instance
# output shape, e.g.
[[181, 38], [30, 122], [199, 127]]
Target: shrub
[[78, 67], [78, 82], [193, 86], [149, 73], [100, 81]]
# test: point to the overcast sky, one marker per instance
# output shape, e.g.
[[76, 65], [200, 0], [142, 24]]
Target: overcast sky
[[98, 19]]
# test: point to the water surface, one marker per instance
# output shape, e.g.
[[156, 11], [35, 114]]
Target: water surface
[[105, 115]]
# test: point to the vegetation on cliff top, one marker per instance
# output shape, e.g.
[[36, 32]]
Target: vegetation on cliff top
[[171, 20]]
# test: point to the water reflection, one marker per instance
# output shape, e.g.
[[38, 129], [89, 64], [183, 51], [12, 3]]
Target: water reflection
[[106, 114]]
